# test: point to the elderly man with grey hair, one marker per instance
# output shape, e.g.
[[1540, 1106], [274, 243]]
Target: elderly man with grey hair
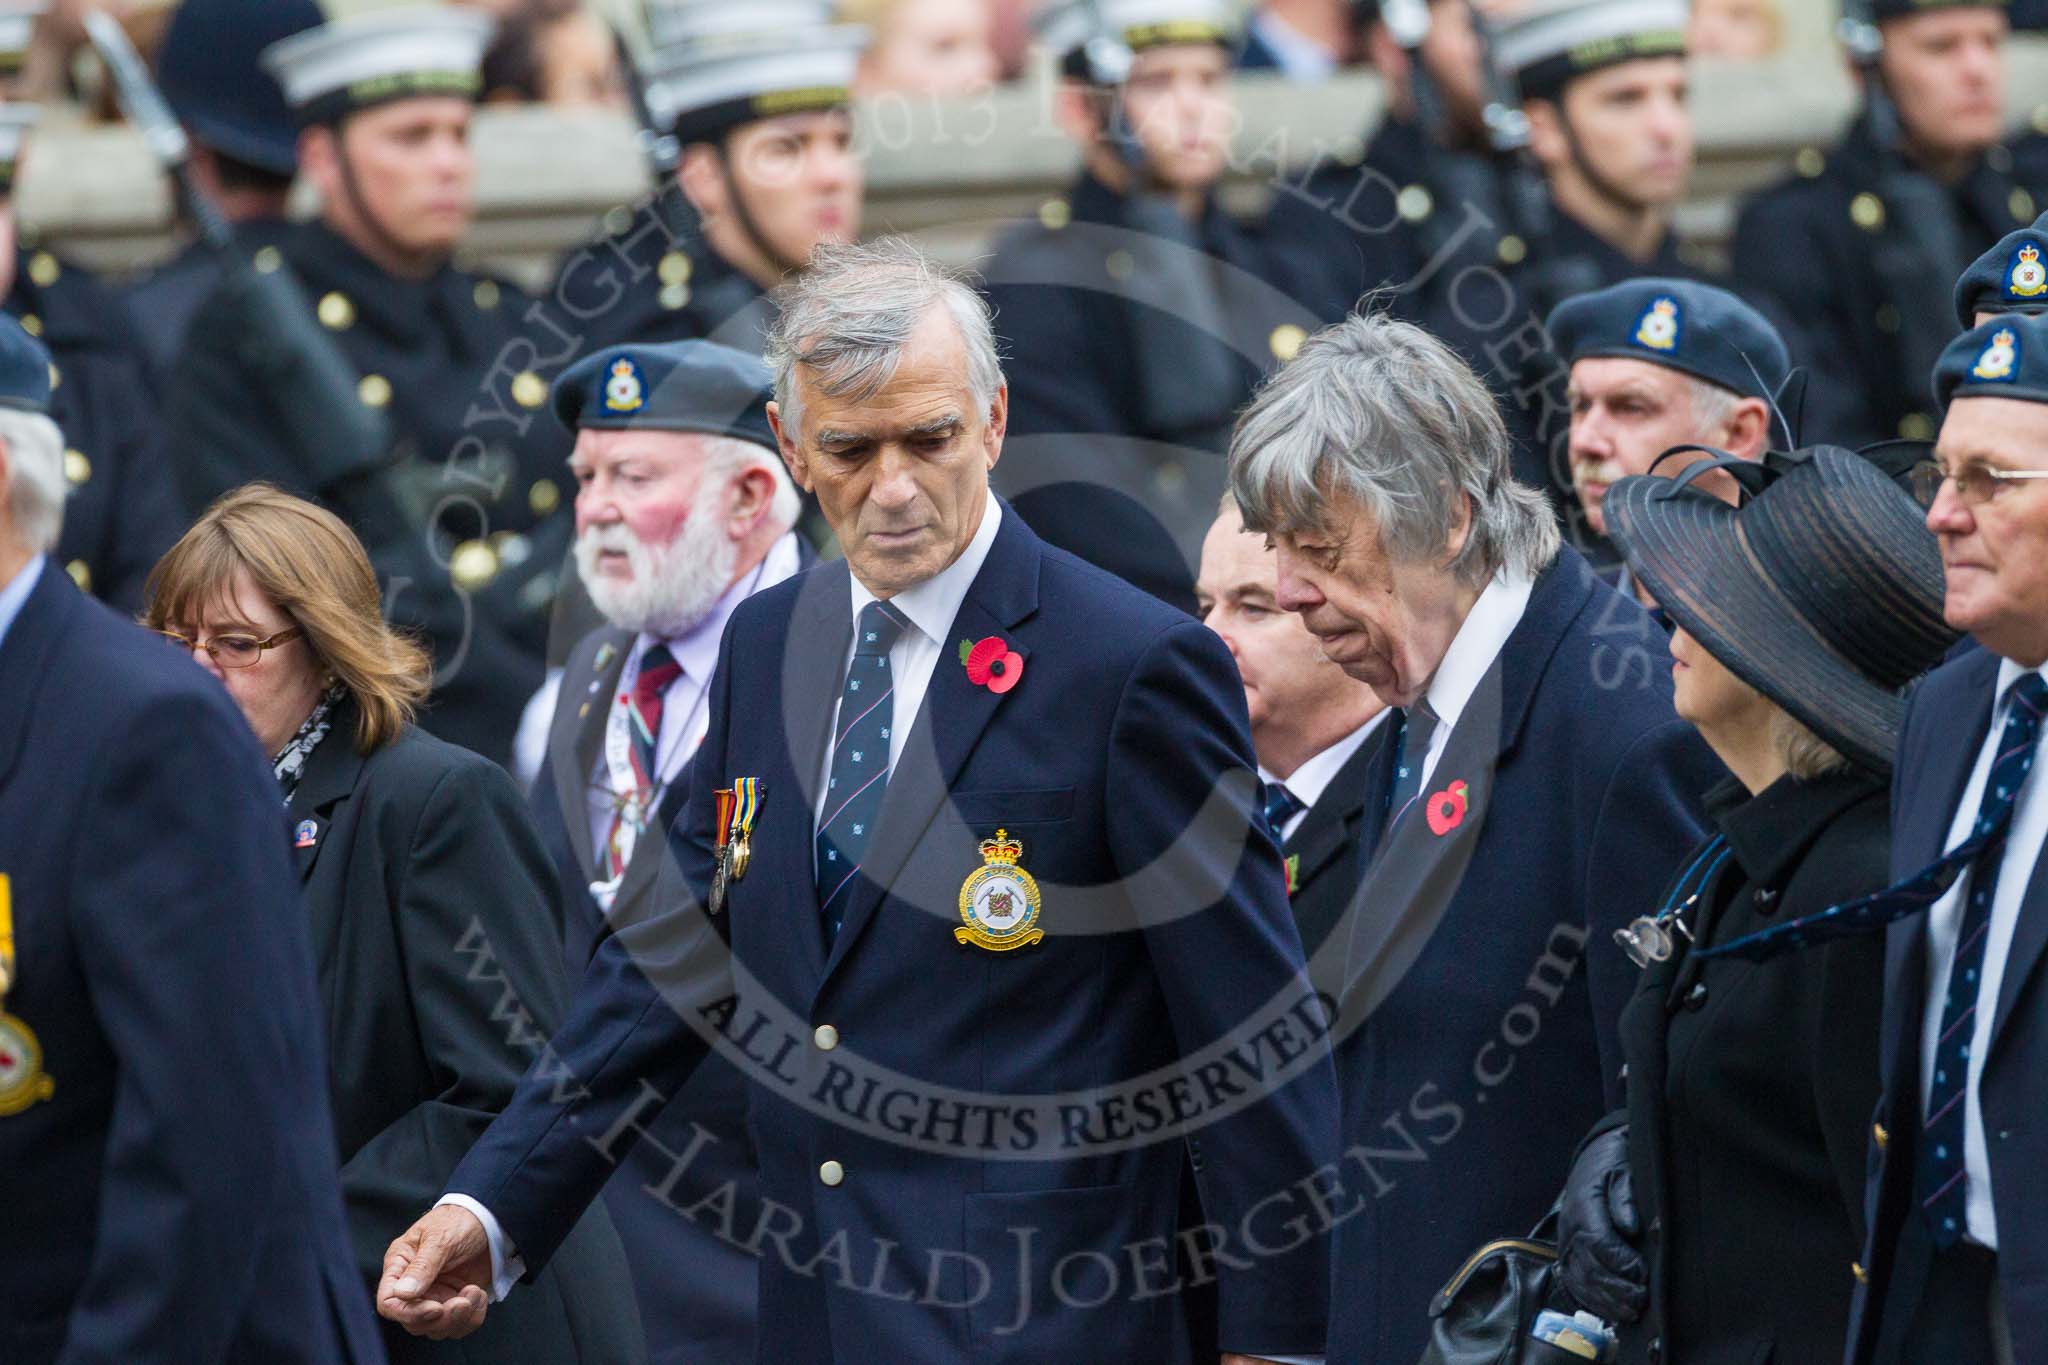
[[1536, 793], [976, 820]]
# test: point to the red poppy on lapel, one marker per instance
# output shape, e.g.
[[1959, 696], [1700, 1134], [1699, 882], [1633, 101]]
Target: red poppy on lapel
[[991, 663], [1446, 810]]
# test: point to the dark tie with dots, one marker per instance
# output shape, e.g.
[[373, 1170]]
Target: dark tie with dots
[[1281, 806], [1869, 914], [1415, 726], [1944, 1187], [860, 762]]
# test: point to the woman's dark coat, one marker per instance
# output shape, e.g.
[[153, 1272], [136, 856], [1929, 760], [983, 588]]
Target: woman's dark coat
[[436, 927], [1750, 1089]]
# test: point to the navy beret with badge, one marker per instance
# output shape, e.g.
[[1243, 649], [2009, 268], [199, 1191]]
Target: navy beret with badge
[[24, 369], [2012, 277], [697, 386], [2007, 357], [1696, 329]]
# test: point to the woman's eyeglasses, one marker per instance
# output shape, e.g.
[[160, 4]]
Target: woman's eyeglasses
[[1976, 484], [234, 651]]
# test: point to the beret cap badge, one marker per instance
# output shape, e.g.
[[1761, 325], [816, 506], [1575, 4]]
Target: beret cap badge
[[623, 391], [1658, 326], [2000, 358], [2027, 278]]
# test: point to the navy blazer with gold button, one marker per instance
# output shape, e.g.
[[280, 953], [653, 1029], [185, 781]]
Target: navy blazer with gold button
[[1121, 762]]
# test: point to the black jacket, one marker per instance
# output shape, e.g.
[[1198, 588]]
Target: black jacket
[[435, 919], [1322, 853], [473, 522], [121, 510], [1822, 245], [1750, 1086]]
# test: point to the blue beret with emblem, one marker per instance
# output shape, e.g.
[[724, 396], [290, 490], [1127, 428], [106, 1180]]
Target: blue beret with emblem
[[1696, 329], [2012, 277], [2007, 357], [697, 386], [24, 368]]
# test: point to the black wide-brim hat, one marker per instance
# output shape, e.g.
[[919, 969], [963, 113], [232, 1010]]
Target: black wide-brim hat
[[1823, 592]]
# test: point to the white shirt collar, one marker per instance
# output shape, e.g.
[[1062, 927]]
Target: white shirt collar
[[1309, 781], [1479, 641], [932, 604], [696, 649]]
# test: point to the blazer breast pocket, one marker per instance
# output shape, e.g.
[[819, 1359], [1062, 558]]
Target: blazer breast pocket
[[1040, 806]]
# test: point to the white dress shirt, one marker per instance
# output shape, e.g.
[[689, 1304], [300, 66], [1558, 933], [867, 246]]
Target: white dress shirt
[[1479, 641], [930, 608], [685, 716], [2023, 843], [1309, 781]]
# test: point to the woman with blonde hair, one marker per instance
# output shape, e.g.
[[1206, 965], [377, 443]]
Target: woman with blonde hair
[[434, 910]]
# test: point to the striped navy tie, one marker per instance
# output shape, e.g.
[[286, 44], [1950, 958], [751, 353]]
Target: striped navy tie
[[860, 762]]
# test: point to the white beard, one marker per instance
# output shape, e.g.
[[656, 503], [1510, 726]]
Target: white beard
[[674, 586]]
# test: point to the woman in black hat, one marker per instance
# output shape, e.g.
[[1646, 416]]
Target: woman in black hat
[[1719, 1216]]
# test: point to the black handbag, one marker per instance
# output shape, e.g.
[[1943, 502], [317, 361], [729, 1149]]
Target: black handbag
[[1484, 1315]]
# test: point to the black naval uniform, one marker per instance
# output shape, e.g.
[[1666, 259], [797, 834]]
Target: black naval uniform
[[1346, 225], [162, 301], [450, 359], [653, 278], [121, 513], [1120, 409], [1819, 243]]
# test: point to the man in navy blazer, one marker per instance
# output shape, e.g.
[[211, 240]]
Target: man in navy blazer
[[1004, 927], [683, 511], [171, 1188], [1978, 1290], [1535, 792]]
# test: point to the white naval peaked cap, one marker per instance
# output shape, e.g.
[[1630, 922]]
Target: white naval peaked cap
[[1067, 26], [368, 59], [672, 22], [707, 87], [17, 27], [1544, 43]]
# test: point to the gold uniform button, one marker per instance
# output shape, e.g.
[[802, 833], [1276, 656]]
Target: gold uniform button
[[2021, 205], [335, 312], [1120, 264], [1170, 478], [32, 324], [1862, 1275], [56, 376], [1916, 426], [826, 1037], [529, 390], [831, 1173], [81, 574], [1866, 211], [77, 469], [544, 497], [674, 268], [268, 260], [1887, 317], [473, 565], [617, 219], [1512, 250], [43, 269], [1055, 214], [374, 390], [674, 296], [1414, 204], [486, 294], [1351, 151], [1880, 1136], [1809, 162], [1286, 341]]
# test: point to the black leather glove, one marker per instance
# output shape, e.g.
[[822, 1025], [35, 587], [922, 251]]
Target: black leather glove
[[1598, 1263]]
